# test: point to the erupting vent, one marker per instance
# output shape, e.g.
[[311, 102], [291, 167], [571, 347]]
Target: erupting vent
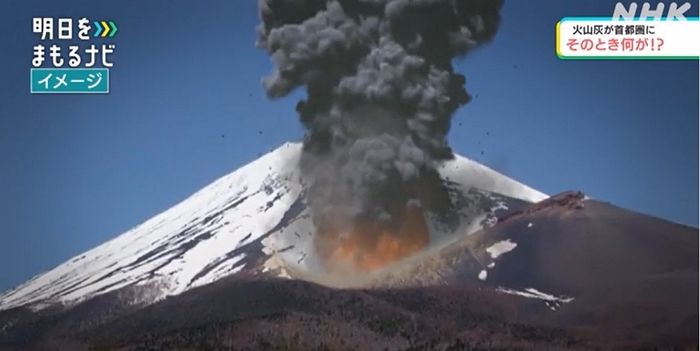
[[368, 244]]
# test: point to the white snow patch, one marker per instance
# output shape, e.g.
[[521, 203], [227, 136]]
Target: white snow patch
[[470, 173], [483, 274], [491, 221], [529, 225], [500, 248], [533, 293], [500, 205], [492, 264]]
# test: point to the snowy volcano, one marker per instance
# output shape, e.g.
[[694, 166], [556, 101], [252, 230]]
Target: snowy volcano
[[234, 266], [253, 220]]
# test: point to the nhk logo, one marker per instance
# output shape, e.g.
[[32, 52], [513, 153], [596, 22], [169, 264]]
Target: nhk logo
[[673, 12]]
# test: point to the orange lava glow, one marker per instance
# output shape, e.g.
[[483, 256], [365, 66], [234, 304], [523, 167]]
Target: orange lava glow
[[368, 246]]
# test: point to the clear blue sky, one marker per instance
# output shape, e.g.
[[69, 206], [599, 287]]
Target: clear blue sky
[[78, 170]]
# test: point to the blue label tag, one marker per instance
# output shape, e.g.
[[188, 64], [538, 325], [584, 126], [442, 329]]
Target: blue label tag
[[69, 80]]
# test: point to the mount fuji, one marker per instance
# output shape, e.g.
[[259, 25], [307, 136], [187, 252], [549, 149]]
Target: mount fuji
[[234, 266], [254, 218]]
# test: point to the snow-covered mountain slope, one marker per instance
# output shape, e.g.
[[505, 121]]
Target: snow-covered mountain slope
[[252, 219]]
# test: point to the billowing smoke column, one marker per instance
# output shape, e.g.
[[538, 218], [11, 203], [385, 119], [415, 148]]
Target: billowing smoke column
[[381, 91]]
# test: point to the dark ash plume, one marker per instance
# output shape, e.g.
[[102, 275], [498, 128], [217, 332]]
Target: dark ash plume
[[381, 91]]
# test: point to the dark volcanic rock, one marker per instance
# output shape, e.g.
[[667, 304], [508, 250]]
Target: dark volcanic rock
[[286, 314]]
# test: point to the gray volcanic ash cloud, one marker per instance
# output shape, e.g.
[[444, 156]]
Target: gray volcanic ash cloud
[[381, 92]]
